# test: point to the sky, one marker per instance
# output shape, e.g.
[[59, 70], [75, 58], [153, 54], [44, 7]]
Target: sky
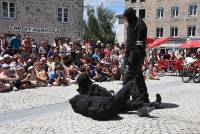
[[117, 6]]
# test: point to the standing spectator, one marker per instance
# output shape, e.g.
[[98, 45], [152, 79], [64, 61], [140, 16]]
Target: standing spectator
[[3, 44], [27, 46], [15, 43]]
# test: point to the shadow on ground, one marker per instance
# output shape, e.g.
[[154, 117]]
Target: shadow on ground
[[169, 105]]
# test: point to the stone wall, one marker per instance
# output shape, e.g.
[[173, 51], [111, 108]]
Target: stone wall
[[43, 14], [182, 21]]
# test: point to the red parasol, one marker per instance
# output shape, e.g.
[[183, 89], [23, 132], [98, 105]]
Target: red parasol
[[149, 40], [191, 44], [158, 42]]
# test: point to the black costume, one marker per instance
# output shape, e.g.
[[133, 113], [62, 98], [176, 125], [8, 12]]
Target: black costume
[[135, 53], [96, 102]]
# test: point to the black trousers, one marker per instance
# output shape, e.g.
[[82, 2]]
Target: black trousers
[[122, 100], [134, 73]]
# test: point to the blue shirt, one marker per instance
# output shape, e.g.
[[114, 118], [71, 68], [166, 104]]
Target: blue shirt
[[52, 75], [96, 56], [50, 53], [15, 42]]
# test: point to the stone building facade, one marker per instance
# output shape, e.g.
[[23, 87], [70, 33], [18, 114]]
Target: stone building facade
[[179, 19], [42, 19]]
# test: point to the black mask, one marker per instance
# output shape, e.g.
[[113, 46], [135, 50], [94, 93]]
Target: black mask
[[131, 15]]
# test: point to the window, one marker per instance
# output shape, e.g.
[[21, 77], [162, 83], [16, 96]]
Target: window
[[192, 9], [174, 11], [142, 13], [142, 0], [8, 10], [159, 32], [191, 31], [63, 14], [133, 1], [174, 31], [160, 12]]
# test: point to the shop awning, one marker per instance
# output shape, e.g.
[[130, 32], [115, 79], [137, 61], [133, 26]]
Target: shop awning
[[158, 42], [191, 44]]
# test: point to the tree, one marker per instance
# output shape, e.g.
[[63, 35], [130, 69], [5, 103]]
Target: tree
[[105, 17], [99, 27]]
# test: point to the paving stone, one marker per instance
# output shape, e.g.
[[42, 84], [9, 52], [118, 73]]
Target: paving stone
[[183, 119]]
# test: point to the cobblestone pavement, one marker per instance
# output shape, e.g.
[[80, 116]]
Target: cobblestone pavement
[[183, 119]]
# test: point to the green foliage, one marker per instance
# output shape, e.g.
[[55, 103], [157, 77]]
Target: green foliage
[[99, 27]]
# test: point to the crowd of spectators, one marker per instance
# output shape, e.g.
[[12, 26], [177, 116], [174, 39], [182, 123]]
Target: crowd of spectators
[[157, 63], [26, 64]]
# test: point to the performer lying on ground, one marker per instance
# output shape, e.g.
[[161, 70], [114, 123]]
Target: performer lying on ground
[[97, 103]]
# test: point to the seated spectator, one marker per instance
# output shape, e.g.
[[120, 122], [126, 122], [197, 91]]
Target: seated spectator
[[42, 49], [56, 59], [51, 51], [96, 55], [5, 87], [106, 72], [41, 73], [107, 50], [22, 82], [198, 54], [70, 68], [6, 77], [167, 56], [57, 77], [106, 59], [7, 59], [116, 71], [181, 55], [173, 56], [62, 50], [153, 73], [190, 60], [33, 78]]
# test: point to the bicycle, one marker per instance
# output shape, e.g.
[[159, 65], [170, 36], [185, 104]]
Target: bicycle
[[191, 72]]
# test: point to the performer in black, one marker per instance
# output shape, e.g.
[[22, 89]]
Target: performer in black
[[96, 102], [135, 53]]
